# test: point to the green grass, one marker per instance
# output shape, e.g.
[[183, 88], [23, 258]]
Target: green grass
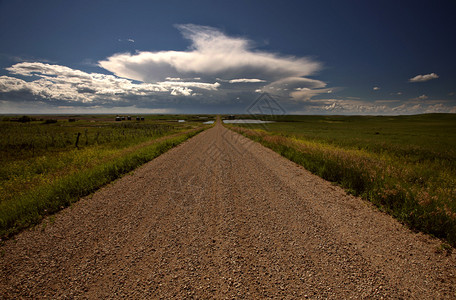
[[406, 165], [43, 171]]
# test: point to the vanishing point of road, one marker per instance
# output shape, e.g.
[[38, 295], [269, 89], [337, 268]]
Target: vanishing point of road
[[223, 217]]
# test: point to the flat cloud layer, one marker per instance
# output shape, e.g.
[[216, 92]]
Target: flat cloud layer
[[379, 107], [246, 80]]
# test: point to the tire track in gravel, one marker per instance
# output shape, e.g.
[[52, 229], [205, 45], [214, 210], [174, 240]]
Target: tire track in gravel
[[222, 217]]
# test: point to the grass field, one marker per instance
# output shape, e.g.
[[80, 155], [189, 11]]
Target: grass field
[[48, 162], [406, 165]]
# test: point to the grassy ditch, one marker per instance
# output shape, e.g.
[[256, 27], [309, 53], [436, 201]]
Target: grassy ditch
[[412, 177], [35, 185]]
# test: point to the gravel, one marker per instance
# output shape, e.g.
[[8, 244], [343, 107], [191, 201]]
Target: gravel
[[223, 217]]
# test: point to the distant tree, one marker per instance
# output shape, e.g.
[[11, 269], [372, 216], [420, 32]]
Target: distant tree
[[24, 119]]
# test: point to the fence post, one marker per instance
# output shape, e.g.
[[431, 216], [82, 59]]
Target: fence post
[[77, 140]]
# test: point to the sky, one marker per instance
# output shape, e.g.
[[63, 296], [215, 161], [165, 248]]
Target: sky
[[308, 57]]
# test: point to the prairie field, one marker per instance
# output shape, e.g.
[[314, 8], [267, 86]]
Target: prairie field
[[405, 165], [48, 162]]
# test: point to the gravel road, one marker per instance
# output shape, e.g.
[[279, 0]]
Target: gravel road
[[222, 217]]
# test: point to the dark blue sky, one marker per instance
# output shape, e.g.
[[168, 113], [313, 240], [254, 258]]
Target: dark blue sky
[[357, 45]]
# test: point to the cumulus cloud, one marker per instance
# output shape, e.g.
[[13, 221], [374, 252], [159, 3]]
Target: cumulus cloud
[[192, 75], [60, 83], [213, 71], [422, 78], [45, 70], [184, 91], [211, 53], [11, 84]]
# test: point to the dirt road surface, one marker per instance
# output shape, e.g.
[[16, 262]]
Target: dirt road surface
[[222, 217]]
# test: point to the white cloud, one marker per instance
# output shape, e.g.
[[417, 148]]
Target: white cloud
[[45, 70], [60, 83], [181, 91], [298, 82], [212, 53], [246, 80], [192, 77], [422, 78], [375, 88], [422, 97], [59, 89], [297, 88], [200, 85], [11, 84], [306, 94]]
